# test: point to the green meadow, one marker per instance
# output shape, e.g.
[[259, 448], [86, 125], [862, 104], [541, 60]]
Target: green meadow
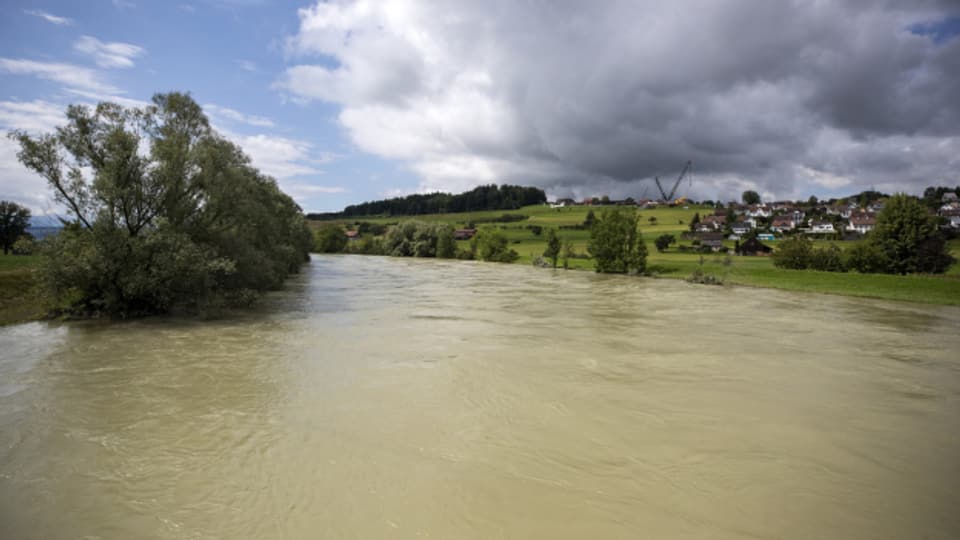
[[673, 264], [19, 300]]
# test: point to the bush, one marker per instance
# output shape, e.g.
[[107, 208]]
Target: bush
[[828, 259], [491, 246], [330, 238], [794, 253], [866, 258], [663, 242], [25, 245]]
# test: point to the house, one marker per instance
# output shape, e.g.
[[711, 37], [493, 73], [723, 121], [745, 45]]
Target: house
[[952, 216], [740, 227], [949, 197], [842, 210], [779, 206], [783, 223], [820, 227], [715, 222], [713, 241], [862, 223], [758, 210], [560, 203], [353, 235], [769, 237], [752, 247], [464, 234]]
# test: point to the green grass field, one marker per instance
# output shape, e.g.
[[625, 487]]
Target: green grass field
[[749, 271], [18, 296]]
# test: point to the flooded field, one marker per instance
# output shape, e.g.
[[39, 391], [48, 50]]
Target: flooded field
[[389, 398]]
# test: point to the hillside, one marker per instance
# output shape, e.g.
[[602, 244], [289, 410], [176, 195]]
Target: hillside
[[676, 264]]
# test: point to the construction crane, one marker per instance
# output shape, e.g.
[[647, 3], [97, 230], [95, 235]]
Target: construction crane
[[673, 191]]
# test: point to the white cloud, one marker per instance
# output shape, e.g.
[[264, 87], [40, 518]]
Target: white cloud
[[109, 55], [67, 74], [123, 4], [247, 65], [572, 97], [225, 113], [59, 21], [20, 184]]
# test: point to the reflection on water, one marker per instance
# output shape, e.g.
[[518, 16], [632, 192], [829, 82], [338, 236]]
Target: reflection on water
[[380, 397]]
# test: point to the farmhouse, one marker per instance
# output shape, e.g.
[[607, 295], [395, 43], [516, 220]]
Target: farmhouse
[[753, 247], [464, 234], [783, 223], [714, 241], [862, 223]]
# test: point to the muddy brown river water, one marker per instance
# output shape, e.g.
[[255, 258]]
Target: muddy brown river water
[[389, 398]]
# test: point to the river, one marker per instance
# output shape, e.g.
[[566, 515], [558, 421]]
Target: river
[[390, 398]]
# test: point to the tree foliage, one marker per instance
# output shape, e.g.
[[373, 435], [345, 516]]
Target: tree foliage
[[491, 245], [419, 239], [14, 220], [750, 197], [663, 242], [616, 243], [908, 238], [553, 247], [489, 197], [330, 238], [793, 253], [165, 213]]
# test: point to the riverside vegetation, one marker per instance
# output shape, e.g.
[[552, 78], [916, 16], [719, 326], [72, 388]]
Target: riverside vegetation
[[164, 215], [905, 233]]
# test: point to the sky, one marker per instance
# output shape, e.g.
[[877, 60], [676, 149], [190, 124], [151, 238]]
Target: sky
[[344, 102]]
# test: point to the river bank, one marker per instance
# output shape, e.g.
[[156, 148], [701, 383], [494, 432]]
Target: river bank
[[527, 236], [20, 301]]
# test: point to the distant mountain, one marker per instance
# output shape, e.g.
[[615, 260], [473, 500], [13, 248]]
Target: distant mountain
[[45, 221]]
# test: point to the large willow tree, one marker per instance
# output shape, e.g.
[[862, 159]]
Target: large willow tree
[[163, 212]]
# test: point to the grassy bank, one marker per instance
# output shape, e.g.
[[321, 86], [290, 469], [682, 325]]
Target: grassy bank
[[19, 301], [749, 271]]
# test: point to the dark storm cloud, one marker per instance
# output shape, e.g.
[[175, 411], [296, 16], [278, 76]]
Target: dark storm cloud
[[788, 98]]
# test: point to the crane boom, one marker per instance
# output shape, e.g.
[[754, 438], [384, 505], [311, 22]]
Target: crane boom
[[660, 187], [686, 169]]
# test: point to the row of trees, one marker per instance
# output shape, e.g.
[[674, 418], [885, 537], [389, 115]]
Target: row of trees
[[490, 197], [418, 239], [163, 212], [905, 240]]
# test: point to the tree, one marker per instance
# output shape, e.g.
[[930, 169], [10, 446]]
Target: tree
[[446, 243], [750, 197], [567, 253], [553, 247], [590, 219], [330, 239], [491, 246], [795, 253], [616, 243], [652, 220], [14, 220], [909, 239], [663, 242], [164, 213], [694, 222]]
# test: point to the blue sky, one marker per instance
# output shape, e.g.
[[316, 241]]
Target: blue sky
[[350, 100], [227, 54]]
